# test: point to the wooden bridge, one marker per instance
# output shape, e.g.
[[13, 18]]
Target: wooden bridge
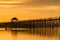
[[49, 22]]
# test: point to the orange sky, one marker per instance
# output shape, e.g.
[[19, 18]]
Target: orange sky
[[27, 9]]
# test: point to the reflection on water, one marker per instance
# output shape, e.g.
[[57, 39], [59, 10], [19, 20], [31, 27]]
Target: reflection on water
[[24, 35]]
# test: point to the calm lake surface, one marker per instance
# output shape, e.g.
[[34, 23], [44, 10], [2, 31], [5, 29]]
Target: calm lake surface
[[23, 35]]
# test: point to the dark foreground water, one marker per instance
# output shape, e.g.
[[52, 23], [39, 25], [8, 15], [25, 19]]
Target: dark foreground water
[[24, 35]]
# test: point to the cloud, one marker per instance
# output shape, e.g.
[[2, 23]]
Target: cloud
[[46, 2], [38, 3]]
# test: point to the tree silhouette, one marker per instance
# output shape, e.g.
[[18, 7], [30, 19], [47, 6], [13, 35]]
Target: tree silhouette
[[14, 19], [14, 22]]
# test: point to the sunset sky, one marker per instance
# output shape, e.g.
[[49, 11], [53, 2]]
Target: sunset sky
[[28, 9]]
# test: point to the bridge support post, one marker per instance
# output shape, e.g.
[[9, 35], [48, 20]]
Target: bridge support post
[[6, 28]]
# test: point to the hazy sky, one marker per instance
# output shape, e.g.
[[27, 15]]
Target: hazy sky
[[28, 9]]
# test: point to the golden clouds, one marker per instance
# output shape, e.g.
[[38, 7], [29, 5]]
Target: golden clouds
[[50, 8], [16, 0], [11, 3], [29, 13], [28, 9]]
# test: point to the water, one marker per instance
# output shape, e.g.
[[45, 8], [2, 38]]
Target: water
[[24, 35]]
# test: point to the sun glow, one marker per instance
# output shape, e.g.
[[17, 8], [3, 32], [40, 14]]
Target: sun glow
[[9, 4]]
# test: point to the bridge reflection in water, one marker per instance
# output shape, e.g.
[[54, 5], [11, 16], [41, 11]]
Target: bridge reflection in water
[[45, 31], [20, 35]]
